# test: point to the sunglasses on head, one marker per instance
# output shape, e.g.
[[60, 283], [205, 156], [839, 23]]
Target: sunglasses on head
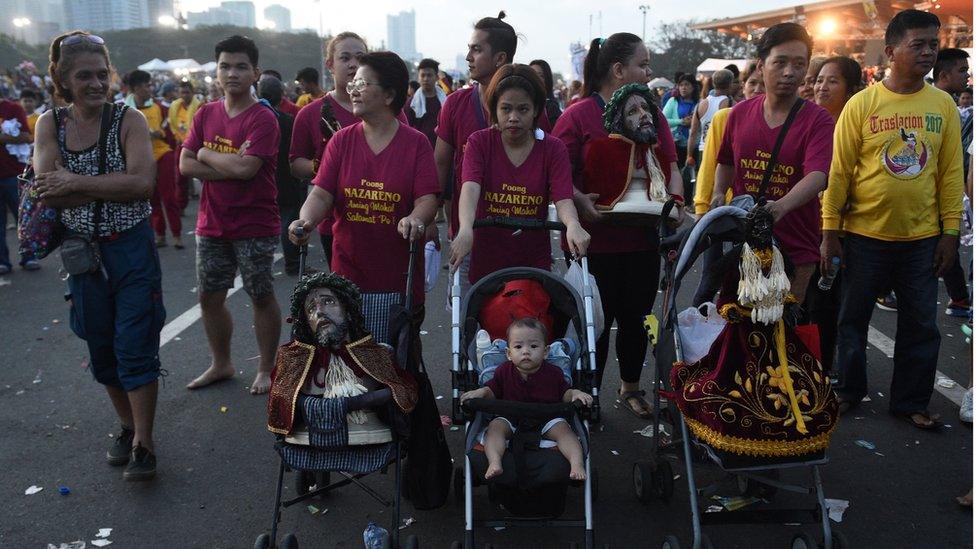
[[79, 38]]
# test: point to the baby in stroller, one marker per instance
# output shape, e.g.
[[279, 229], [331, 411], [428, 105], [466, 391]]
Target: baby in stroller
[[527, 377]]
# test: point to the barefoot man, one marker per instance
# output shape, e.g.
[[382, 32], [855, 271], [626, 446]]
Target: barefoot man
[[232, 147]]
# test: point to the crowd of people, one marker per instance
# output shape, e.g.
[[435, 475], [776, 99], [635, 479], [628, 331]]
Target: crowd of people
[[867, 179]]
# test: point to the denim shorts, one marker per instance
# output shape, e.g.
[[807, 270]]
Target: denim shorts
[[120, 316]]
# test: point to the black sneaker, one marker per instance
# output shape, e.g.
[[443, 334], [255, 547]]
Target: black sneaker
[[118, 453], [142, 465]]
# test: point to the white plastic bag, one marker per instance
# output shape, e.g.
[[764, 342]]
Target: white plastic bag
[[432, 265], [698, 331], [574, 276]]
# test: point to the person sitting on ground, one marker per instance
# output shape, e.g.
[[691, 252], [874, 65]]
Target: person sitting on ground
[[526, 377]]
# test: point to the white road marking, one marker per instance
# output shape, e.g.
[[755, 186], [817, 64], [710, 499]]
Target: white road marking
[[887, 346], [176, 326]]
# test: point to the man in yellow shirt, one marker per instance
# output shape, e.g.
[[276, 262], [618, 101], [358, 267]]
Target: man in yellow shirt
[[895, 186], [164, 199], [180, 117], [308, 80]]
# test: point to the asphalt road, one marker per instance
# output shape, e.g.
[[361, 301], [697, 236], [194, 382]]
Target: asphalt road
[[217, 469]]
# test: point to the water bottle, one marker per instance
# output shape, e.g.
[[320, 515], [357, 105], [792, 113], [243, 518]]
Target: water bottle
[[482, 343], [375, 537], [559, 355], [491, 359], [827, 279]]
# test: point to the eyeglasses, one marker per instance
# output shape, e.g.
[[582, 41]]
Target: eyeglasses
[[357, 86], [79, 38]]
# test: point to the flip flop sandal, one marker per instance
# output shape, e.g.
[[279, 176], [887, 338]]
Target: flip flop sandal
[[646, 409], [933, 425]]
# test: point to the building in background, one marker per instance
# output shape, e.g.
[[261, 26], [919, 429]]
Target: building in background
[[242, 12], [99, 15], [278, 17], [239, 14], [401, 35], [160, 8], [37, 21]]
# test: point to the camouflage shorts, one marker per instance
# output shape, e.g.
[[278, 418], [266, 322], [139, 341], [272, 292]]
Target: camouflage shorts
[[218, 260]]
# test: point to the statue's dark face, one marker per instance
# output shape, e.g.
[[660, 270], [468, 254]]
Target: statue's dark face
[[760, 227], [326, 317], [636, 120]]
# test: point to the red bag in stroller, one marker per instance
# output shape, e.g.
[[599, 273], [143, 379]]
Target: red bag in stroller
[[518, 299]]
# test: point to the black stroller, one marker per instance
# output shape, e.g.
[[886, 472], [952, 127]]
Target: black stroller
[[758, 477], [534, 483], [312, 481]]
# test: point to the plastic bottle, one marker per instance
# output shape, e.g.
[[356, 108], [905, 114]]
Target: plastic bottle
[[375, 537], [827, 279], [482, 343]]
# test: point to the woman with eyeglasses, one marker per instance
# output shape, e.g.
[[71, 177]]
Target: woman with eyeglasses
[[319, 120], [118, 307], [379, 181]]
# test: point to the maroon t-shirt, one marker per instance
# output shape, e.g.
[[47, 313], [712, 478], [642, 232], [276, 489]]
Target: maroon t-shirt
[[426, 125], [462, 115], [747, 144], [509, 191], [9, 110], [372, 192], [308, 142], [287, 107], [234, 208], [546, 385], [581, 123]]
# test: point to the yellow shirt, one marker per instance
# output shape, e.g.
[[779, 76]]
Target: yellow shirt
[[32, 121], [154, 117], [705, 180], [181, 116], [305, 99], [897, 166]]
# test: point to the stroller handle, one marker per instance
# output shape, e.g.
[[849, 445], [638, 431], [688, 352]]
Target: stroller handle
[[519, 224]]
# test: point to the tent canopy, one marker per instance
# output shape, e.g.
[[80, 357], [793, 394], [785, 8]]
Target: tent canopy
[[156, 65], [209, 67], [660, 82], [184, 64], [713, 64]]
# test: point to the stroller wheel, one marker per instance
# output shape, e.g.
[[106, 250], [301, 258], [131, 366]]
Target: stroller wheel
[[671, 541], [263, 542], [803, 540], [412, 542], [290, 542], [839, 539], [323, 479], [665, 480], [643, 471], [304, 481]]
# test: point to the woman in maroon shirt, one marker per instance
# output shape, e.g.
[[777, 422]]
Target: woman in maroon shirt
[[623, 259]]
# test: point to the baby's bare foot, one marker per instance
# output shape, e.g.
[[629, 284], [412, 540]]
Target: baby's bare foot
[[493, 471], [577, 471], [261, 383], [213, 374]]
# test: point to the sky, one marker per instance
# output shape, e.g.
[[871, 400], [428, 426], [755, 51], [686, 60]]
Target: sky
[[444, 26]]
